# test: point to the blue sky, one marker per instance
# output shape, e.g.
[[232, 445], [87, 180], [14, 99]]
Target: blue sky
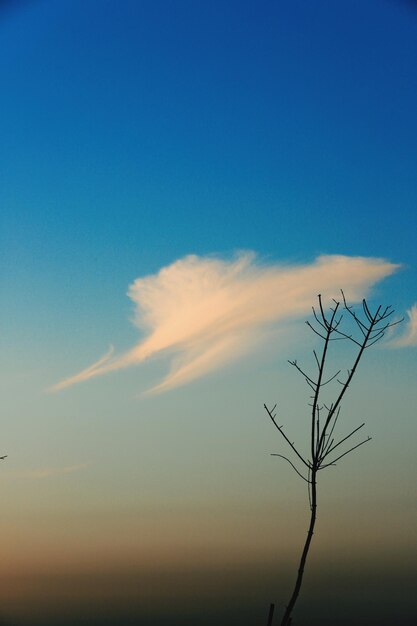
[[134, 134]]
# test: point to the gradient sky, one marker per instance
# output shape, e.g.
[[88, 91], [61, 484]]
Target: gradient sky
[[178, 180]]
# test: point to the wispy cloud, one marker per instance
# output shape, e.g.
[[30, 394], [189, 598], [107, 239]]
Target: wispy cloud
[[409, 336], [205, 311]]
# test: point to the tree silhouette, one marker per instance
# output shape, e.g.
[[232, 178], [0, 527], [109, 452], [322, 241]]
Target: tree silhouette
[[327, 448]]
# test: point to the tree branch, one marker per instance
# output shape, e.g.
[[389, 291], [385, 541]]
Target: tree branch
[[279, 428], [330, 449], [345, 453], [292, 465]]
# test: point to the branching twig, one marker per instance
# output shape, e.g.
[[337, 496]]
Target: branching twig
[[330, 450], [370, 328], [279, 428], [345, 453]]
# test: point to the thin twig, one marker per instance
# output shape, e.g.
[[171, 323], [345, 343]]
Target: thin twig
[[292, 465], [347, 452], [330, 450], [279, 428]]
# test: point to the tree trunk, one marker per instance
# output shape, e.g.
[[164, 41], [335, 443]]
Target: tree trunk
[[286, 620]]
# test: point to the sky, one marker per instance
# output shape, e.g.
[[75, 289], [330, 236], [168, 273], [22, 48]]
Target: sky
[[179, 179]]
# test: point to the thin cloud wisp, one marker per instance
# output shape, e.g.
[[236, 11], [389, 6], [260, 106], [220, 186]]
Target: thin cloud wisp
[[409, 336]]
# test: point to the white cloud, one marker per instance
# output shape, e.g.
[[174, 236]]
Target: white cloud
[[204, 311], [409, 337]]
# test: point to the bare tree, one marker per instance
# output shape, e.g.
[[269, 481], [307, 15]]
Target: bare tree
[[327, 448]]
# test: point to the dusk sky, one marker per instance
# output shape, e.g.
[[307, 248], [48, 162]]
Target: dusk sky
[[179, 179]]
